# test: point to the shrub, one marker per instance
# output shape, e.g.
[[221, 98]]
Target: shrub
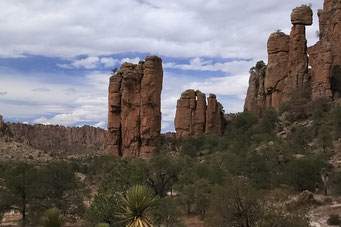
[[52, 218], [334, 219]]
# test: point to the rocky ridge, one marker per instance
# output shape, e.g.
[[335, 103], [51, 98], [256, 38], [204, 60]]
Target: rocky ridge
[[194, 117], [41, 142], [287, 71], [134, 118]]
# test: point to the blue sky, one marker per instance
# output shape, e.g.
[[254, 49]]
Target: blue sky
[[56, 56]]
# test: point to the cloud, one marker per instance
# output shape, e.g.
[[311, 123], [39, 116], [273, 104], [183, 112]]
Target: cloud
[[95, 62], [109, 62], [130, 60], [231, 66], [88, 63], [41, 89], [177, 28], [3, 93]]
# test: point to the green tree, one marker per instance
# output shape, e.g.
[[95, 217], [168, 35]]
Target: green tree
[[303, 174], [124, 174], [19, 188], [324, 137], [60, 188], [336, 121], [236, 203], [136, 207], [168, 213], [52, 218], [162, 172]]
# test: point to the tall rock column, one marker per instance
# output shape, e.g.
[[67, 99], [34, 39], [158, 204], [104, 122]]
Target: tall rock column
[[114, 116], [214, 116], [130, 108], [1, 122], [200, 114], [193, 117], [255, 96], [151, 86], [185, 114], [277, 68], [298, 59], [134, 119]]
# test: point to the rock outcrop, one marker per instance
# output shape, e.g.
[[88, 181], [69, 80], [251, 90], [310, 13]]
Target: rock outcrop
[[287, 69], [325, 55], [193, 117], [2, 125], [59, 140], [256, 97], [134, 118]]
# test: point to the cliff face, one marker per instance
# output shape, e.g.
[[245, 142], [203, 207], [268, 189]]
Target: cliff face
[[193, 117], [287, 70], [59, 140], [134, 118], [325, 55], [256, 97]]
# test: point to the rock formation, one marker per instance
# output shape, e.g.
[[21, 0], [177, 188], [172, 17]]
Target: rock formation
[[256, 97], [59, 140], [287, 69], [325, 55], [193, 117], [1, 123], [134, 118]]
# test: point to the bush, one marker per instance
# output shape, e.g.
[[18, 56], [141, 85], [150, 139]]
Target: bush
[[52, 218], [303, 174], [334, 219]]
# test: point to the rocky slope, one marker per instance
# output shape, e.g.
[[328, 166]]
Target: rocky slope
[[134, 119], [287, 71], [194, 117], [33, 141]]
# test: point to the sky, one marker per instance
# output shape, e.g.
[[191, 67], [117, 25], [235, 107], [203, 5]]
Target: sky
[[56, 56]]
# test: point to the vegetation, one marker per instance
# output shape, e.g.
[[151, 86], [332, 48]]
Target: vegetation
[[247, 177], [136, 207], [52, 218]]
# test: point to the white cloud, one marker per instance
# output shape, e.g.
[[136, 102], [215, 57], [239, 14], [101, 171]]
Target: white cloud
[[64, 104], [130, 60], [88, 63], [109, 62], [178, 28], [232, 67]]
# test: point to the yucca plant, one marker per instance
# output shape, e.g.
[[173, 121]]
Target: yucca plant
[[136, 206], [52, 218]]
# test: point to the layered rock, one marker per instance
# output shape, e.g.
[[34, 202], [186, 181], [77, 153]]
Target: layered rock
[[134, 118], [325, 55], [59, 140], [193, 117]]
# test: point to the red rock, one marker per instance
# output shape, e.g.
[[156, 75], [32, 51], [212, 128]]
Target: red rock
[[134, 118], [302, 15], [255, 100], [214, 116], [193, 117], [325, 55], [60, 140], [287, 69]]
